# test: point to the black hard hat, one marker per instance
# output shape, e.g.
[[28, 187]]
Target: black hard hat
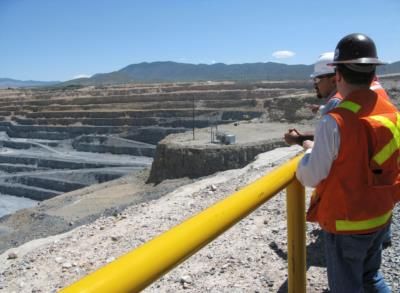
[[356, 49]]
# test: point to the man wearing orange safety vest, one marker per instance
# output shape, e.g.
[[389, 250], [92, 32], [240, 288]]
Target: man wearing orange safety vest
[[325, 87], [353, 163]]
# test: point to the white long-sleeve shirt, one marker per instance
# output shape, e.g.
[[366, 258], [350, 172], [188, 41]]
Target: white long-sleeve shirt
[[316, 163], [331, 104]]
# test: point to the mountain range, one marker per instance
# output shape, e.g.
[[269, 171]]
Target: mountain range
[[12, 83], [168, 71], [172, 72]]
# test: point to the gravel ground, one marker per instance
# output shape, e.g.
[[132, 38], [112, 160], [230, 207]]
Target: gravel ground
[[250, 257]]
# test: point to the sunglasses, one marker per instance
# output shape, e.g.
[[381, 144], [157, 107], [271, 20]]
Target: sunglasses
[[318, 79]]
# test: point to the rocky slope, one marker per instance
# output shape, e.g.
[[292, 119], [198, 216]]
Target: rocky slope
[[250, 257]]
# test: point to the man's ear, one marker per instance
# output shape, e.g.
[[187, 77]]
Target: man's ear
[[333, 80], [338, 77]]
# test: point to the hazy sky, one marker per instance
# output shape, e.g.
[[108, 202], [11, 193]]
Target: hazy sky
[[63, 39]]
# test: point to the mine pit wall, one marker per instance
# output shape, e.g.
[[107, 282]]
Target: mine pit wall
[[177, 161], [46, 183], [28, 191], [49, 162], [180, 96], [100, 145]]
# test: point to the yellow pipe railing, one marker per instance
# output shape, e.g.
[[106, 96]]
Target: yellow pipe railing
[[137, 269]]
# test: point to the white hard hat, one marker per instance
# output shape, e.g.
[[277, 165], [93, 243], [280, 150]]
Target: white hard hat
[[321, 67]]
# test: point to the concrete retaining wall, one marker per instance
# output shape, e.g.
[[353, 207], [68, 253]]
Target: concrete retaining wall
[[172, 161]]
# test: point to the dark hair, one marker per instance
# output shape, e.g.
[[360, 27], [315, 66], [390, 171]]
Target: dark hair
[[355, 77]]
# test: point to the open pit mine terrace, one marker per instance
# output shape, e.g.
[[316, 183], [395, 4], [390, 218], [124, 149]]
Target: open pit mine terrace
[[55, 140]]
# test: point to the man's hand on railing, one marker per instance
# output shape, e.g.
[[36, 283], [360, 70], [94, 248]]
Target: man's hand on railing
[[293, 136]]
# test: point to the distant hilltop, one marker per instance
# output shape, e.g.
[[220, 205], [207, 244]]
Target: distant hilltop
[[8, 82], [168, 71]]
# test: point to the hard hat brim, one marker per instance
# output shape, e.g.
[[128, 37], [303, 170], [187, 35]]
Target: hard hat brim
[[372, 61]]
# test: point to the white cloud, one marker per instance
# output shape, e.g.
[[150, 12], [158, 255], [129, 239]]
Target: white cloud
[[283, 54], [82, 76]]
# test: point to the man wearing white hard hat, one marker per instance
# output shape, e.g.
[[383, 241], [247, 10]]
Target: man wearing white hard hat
[[325, 83], [325, 87]]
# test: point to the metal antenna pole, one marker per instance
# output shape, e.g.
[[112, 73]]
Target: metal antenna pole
[[193, 117]]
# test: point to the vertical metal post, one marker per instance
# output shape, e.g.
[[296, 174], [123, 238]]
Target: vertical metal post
[[193, 118], [296, 227]]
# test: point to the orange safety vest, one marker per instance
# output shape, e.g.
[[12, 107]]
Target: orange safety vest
[[363, 184], [375, 86]]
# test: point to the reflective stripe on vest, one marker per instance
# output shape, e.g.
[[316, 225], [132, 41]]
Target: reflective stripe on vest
[[344, 225], [351, 106], [387, 151]]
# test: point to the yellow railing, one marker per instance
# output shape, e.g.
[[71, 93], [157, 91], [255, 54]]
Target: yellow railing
[[137, 269]]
